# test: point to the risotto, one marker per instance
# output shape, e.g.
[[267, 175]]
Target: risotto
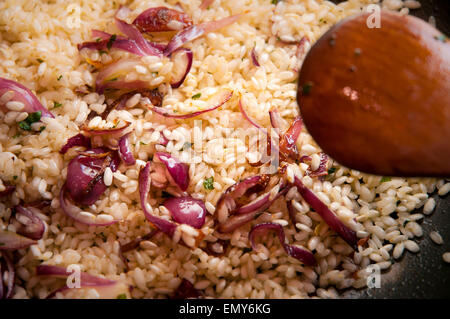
[[137, 156]]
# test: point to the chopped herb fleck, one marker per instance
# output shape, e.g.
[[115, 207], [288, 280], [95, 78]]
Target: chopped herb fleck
[[41, 128], [15, 177], [187, 146], [17, 135], [2, 244], [103, 236], [103, 52], [122, 296], [331, 170], [306, 88], [59, 77], [39, 60], [208, 183], [142, 143], [111, 41], [196, 96], [275, 1], [246, 250], [98, 39], [113, 79], [385, 179], [56, 104], [25, 126]]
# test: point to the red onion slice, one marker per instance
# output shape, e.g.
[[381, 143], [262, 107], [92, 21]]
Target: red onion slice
[[159, 19], [254, 57], [299, 253], [77, 140], [218, 248], [222, 98], [129, 30], [186, 290], [227, 201], [144, 187], [9, 267], [178, 171], [24, 95], [195, 31], [182, 63], [74, 212], [249, 119], [277, 121], [85, 175], [125, 151], [31, 225], [187, 210], [12, 241], [259, 205], [347, 234], [9, 189]]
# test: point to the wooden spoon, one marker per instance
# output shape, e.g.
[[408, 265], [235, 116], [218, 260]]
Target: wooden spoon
[[378, 100]]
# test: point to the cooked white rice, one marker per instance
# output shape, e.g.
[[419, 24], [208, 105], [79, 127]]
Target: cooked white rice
[[38, 48]]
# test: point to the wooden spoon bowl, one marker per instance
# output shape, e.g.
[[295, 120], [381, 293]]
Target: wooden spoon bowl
[[378, 99]]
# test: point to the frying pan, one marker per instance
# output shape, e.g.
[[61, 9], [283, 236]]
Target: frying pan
[[425, 274]]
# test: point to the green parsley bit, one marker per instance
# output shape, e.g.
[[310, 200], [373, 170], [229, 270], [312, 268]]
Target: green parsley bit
[[113, 79], [56, 104], [111, 41], [187, 146], [59, 77], [34, 117], [331, 170], [208, 183], [122, 296], [385, 179], [275, 1], [15, 177], [39, 60], [142, 143], [103, 52], [196, 96], [25, 126]]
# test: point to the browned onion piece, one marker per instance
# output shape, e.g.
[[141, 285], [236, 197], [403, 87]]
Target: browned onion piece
[[158, 19], [288, 148], [305, 256]]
